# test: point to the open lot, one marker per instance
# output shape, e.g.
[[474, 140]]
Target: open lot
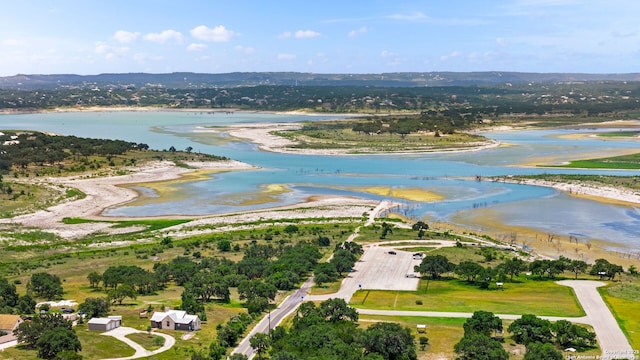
[[380, 270]]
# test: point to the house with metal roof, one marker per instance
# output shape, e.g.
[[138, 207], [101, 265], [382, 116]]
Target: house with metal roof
[[175, 320]]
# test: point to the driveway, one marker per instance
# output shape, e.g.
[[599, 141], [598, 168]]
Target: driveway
[[611, 339], [120, 334]]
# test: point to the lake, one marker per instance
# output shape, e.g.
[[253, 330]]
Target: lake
[[451, 175]]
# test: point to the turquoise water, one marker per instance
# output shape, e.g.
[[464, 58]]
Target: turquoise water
[[451, 175]]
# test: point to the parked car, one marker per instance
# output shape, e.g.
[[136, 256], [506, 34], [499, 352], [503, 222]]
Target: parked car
[[67, 310], [391, 252]]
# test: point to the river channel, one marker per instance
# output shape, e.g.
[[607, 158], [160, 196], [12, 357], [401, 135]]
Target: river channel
[[451, 175]]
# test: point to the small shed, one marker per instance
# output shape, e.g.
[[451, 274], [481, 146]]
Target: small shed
[[105, 324], [421, 328]]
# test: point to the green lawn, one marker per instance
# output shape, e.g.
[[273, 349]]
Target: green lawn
[[527, 297], [624, 301], [96, 346], [147, 341]]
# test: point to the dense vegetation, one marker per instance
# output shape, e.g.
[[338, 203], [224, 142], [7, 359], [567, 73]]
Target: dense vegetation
[[26, 148], [330, 330], [535, 99]]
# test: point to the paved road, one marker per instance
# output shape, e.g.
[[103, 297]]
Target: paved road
[[275, 317], [120, 334], [611, 339]]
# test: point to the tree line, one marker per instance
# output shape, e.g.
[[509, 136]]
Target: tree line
[[435, 265], [36, 148]]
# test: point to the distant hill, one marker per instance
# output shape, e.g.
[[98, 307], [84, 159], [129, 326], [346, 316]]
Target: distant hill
[[184, 80]]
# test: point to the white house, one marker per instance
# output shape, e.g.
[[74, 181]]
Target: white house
[[105, 324], [175, 320]]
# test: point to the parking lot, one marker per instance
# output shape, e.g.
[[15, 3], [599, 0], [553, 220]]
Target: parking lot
[[379, 270]]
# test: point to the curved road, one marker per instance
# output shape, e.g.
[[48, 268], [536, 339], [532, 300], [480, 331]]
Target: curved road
[[120, 334]]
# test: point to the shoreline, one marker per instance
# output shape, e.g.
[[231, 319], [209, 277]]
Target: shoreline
[[602, 193], [260, 134], [105, 192]]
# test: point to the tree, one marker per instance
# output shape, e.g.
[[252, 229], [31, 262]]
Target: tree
[[390, 340], [538, 351], [224, 245], [216, 351], [603, 267], [336, 309], [122, 292], [386, 229], [28, 332], [94, 279], [420, 225], [572, 335], [468, 269], [478, 346], [343, 260], [95, 307], [513, 267], [8, 295], [260, 342], [249, 289], [26, 304], [325, 272], [482, 322], [577, 267], [45, 285], [435, 265], [529, 328], [56, 340]]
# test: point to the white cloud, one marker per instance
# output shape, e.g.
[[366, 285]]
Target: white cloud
[[196, 47], [244, 49], [502, 41], [306, 34], [357, 32], [285, 35], [386, 54], [165, 37], [286, 57], [101, 48], [12, 42], [452, 55], [125, 36], [217, 34], [110, 52]]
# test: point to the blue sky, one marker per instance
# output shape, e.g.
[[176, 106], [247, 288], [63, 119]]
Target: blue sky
[[330, 36]]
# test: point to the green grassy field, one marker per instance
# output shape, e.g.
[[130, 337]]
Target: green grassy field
[[444, 333], [525, 297], [620, 134], [624, 301], [630, 162]]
